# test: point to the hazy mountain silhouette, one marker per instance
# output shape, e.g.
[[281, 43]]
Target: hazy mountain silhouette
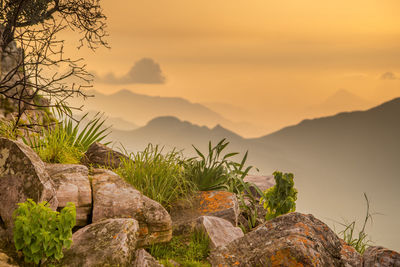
[[341, 100], [140, 109], [335, 159]]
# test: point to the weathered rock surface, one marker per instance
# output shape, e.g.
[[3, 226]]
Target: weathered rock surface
[[110, 242], [350, 256], [380, 257], [290, 240], [144, 259], [101, 155], [6, 261], [220, 204], [220, 231], [22, 176], [262, 182], [72, 185], [114, 198]]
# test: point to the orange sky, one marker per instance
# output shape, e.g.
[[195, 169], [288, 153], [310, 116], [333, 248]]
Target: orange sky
[[276, 59]]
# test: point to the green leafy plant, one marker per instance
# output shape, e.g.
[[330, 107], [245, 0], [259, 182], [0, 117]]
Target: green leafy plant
[[359, 242], [216, 171], [41, 233], [158, 176], [190, 250], [66, 141], [281, 198]]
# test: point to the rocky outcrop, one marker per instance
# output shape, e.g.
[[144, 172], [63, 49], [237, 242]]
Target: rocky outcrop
[[110, 242], [72, 185], [114, 198], [144, 259], [380, 257], [99, 155], [220, 204], [220, 231], [290, 240], [22, 176]]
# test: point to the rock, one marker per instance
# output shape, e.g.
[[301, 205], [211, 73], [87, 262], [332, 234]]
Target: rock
[[262, 182], [114, 198], [144, 259], [110, 242], [100, 155], [220, 231], [290, 240], [380, 257], [350, 257], [220, 204], [22, 176], [6, 261], [72, 185]]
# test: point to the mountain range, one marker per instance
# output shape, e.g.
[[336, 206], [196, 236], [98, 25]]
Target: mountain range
[[335, 159]]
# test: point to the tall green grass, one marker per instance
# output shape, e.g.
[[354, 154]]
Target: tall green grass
[[158, 176], [67, 141], [217, 171]]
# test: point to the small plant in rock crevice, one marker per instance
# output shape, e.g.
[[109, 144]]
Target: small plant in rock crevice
[[360, 241], [41, 233], [281, 198]]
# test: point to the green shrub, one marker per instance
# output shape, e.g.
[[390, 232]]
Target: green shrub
[[187, 251], [216, 171], [361, 241], [65, 142], [281, 198], [158, 176], [41, 233]]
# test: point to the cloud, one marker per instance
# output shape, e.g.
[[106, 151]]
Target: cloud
[[389, 76], [145, 71]]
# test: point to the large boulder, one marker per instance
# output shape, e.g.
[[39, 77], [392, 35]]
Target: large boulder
[[290, 240], [350, 256], [220, 231], [377, 256], [22, 175], [72, 185], [220, 204], [110, 242], [99, 155], [144, 259], [114, 198]]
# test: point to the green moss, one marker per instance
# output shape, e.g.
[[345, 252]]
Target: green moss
[[190, 251]]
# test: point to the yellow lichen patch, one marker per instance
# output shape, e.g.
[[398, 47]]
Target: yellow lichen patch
[[283, 258], [213, 201]]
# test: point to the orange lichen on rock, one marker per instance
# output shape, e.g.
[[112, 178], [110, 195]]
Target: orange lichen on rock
[[283, 258], [213, 201]]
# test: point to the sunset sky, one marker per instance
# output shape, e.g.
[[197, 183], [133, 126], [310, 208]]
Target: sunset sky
[[276, 60]]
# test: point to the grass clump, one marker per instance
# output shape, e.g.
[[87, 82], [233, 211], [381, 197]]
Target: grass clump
[[65, 142], [158, 176], [8, 130], [216, 171], [189, 251], [360, 242]]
